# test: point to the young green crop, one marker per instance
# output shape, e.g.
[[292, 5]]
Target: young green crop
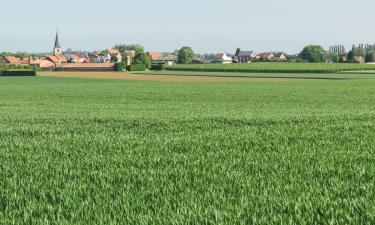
[[274, 67], [80, 151]]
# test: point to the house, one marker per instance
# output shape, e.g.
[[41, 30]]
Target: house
[[279, 56], [130, 54], [101, 58], [155, 55], [246, 56], [84, 60], [16, 61], [57, 60], [222, 58], [115, 53], [359, 59], [166, 58], [267, 56], [43, 64], [72, 58]]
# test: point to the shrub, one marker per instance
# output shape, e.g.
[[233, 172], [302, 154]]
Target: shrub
[[18, 73], [143, 58], [120, 66], [137, 67], [157, 67]]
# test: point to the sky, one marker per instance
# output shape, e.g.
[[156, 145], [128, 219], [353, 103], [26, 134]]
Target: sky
[[208, 26]]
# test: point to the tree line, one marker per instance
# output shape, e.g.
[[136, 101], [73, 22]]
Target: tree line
[[337, 54]]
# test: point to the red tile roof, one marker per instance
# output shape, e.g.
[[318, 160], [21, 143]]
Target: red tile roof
[[55, 59], [113, 51], [75, 57], [24, 61], [155, 55], [12, 60], [16, 60], [42, 63]]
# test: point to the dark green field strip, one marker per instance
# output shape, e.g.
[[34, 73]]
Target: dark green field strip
[[273, 67], [307, 76]]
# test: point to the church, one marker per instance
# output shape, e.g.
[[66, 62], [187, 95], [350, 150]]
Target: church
[[57, 50], [76, 61]]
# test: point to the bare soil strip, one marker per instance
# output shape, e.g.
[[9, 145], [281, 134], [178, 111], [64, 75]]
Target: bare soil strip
[[147, 77]]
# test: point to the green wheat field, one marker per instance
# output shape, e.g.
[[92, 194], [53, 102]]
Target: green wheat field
[[97, 151]]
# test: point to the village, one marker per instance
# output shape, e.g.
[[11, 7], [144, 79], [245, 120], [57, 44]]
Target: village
[[70, 60], [134, 58]]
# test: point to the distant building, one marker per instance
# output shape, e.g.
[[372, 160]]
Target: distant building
[[43, 64], [115, 54], [155, 55], [15, 60], [57, 60], [267, 56], [280, 56], [130, 54], [272, 56], [359, 59], [222, 58], [167, 58], [246, 56], [57, 50], [100, 58]]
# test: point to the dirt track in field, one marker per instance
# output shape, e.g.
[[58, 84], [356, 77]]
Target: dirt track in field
[[148, 77]]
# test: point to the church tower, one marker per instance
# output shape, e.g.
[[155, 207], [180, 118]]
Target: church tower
[[57, 50]]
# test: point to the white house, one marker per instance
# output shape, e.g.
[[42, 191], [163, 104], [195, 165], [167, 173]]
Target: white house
[[102, 59], [223, 58]]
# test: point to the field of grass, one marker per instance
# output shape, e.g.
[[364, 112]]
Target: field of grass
[[274, 67], [87, 151]]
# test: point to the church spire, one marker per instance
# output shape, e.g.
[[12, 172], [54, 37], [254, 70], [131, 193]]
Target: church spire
[[57, 42], [57, 50]]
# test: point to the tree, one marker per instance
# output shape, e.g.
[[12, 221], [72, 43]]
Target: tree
[[185, 55], [336, 58], [175, 52], [313, 53], [17, 54], [143, 58], [7, 54], [238, 50], [370, 56], [332, 57], [361, 52], [114, 59], [22, 54], [343, 57], [135, 47], [351, 56]]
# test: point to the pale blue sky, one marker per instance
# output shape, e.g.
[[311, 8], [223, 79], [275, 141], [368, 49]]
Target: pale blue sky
[[165, 25]]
